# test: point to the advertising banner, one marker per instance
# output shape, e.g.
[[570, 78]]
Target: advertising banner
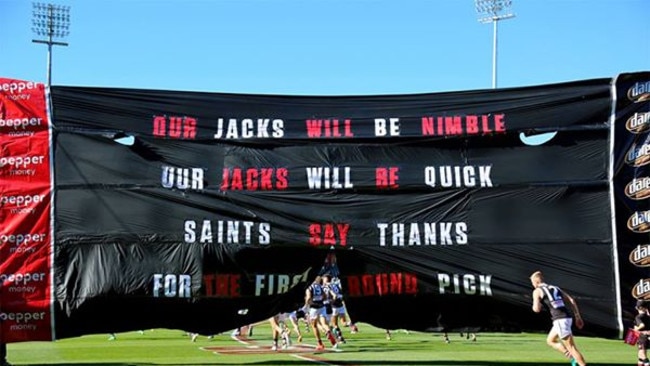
[[632, 186], [25, 213]]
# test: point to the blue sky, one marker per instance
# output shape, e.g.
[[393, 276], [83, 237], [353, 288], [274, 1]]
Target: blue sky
[[327, 47]]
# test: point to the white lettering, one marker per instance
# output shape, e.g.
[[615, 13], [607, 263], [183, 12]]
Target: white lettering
[[228, 232], [246, 128], [431, 233], [329, 178]]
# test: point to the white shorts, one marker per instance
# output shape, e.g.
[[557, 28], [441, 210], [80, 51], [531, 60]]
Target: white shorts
[[563, 327], [315, 313], [282, 317]]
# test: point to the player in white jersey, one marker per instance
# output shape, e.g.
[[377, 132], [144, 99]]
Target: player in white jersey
[[279, 329], [294, 318]]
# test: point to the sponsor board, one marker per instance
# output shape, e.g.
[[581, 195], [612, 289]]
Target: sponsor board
[[640, 256], [638, 188], [639, 92], [639, 222], [638, 123], [641, 289]]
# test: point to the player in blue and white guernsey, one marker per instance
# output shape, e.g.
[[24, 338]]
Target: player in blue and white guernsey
[[314, 297], [330, 296], [338, 307], [560, 337]]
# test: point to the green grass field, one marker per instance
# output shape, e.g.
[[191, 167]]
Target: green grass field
[[368, 347]]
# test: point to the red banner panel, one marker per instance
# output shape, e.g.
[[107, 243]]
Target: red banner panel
[[25, 213]]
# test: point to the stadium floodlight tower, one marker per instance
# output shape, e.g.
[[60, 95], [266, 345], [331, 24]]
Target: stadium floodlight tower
[[51, 22], [493, 11]]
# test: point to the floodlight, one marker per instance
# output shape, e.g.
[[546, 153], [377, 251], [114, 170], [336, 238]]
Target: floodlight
[[493, 11], [51, 22]]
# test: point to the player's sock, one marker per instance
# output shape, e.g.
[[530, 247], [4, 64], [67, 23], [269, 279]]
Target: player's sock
[[331, 338], [320, 345], [339, 335]]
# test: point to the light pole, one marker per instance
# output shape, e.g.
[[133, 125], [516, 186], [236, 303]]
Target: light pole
[[50, 21], [493, 11]]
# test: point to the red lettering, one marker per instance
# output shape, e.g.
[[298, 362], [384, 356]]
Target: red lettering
[[335, 128], [314, 127], [396, 283], [348, 128], [343, 233], [329, 238], [367, 285], [393, 177], [354, 287], [314, 234], [235, 289], [410, 283], [159, 126], [267, 181], [382, 284], [189, 131], [472, 125], [222, 285], [328, 128], [386, 178], [175, 127], [208, 283], [427, 126], [184, 127], [236, 183], [225, 179], [453, 126], [381, 177], [458, 125], [328, 234], [251, 179], [282, 175], [499, 123], [486, 124]]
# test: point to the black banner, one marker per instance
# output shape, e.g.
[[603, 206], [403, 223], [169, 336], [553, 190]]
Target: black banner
[[207, 211]]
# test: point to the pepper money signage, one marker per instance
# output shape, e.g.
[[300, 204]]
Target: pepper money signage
[[206, 211]]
